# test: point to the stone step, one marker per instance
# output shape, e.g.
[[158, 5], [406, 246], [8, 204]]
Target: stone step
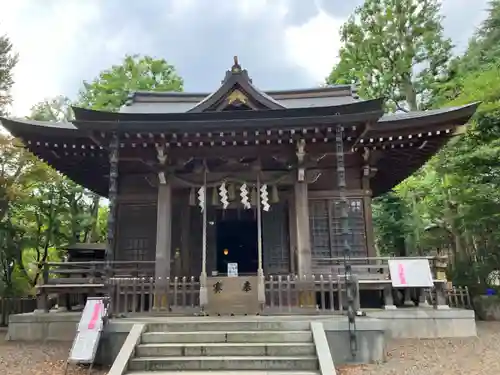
[[226, 337], [230, 325], [258, 372], [309, 363], [225, 349]]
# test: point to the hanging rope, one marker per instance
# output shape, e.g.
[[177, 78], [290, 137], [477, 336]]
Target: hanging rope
[[230, 179]]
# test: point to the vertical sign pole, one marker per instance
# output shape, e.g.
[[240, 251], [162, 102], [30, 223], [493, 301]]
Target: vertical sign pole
[[114, 147], [203, 276], [261, 295]]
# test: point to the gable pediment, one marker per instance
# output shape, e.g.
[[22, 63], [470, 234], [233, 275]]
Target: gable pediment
[[237, 91]]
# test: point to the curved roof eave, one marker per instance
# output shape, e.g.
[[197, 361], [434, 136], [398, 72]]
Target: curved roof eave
[[83, 115], [391, 170], [21, 126], [448, 113]]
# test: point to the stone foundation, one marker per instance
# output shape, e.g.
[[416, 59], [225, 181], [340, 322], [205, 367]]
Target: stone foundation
[[370, 334], [371, 330], [427, 323]]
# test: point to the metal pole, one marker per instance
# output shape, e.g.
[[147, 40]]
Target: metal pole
[[344, 221], [203, 276], [112, 195], [114, 147], [261, 295]]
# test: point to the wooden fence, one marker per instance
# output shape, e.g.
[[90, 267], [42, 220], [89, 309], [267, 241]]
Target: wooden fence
[[284, 294], [132, 290], [137, 295], [457, 297], [11, 306]]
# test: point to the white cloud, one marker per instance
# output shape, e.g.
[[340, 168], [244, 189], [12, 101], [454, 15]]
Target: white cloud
[[41, 36], [62, 42], [463, 17], [314, 45]]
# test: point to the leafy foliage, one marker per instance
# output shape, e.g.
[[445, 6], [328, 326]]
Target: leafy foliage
[[454, 201], [42, 211], [8, 60], [393, 49], [109, 91]]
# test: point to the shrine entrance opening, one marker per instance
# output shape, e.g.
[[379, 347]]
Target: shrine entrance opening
[[237, 243]]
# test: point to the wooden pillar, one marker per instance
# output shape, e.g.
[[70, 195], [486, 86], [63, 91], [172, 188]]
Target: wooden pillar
[[185, 240], [292, 230], [302, 229], [163, 244], [367, 212], [302, 234]]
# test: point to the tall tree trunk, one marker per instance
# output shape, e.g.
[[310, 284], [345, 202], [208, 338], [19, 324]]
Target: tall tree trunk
[[410, 93]]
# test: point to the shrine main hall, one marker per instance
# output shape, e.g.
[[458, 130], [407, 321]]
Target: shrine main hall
[[199, 182]]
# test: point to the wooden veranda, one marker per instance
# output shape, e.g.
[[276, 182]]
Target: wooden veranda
[[133, 290]]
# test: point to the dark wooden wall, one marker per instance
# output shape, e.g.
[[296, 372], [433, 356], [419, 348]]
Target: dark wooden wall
[[136, 225]]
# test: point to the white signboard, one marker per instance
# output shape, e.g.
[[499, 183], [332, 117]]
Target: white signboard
[[406, 273], [89, 332], [232, 269]]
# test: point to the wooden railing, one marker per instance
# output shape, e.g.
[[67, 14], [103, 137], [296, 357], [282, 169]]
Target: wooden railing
[[137, 295], [132, 287], [456, 297], [369, 267], [71, 282], [459, 297], [85, 272]]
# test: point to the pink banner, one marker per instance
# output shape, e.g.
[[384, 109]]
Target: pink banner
[[401, 272], [95, 315]]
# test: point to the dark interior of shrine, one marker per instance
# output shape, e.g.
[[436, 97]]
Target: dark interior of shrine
[[237, 243]]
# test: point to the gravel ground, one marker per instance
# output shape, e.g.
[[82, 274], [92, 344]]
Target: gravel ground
[[17, 358], [474, 356]]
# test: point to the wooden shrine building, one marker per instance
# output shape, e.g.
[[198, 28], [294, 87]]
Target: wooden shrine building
[[199, 181]]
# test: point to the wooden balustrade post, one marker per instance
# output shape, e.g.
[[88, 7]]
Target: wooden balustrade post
[[388, 299], [110, 288], [42, 305], [441, 300]]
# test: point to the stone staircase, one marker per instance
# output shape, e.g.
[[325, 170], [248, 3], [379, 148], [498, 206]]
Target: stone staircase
[[235, 346]]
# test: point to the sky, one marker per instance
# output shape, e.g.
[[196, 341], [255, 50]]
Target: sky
[[284, 44]]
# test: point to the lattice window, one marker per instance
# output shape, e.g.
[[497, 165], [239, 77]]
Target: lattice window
[[136, 232], [326, 231], [136, 249], [320, 229], [357, 237], [274, 237]]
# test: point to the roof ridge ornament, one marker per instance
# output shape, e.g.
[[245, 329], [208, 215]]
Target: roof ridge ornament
[[236, 68]]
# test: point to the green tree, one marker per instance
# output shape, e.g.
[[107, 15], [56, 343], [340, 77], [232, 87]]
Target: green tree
[[55, 109], [391, 229], [110, 90], [8, 60], [394, 49], [83, 214]]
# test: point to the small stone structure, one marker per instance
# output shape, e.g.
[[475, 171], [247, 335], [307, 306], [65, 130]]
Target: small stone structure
[[487, 307]]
